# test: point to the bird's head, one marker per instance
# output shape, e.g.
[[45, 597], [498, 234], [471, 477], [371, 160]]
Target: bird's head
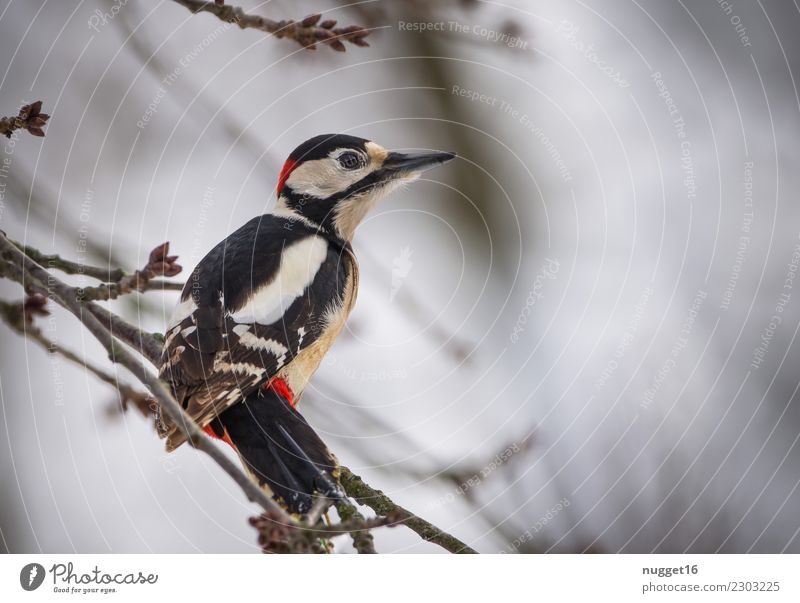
[[333, 180]]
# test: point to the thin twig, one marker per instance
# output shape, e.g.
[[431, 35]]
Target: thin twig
[[64, 295], [159, 263], [277, 538], [20, 318], [319, 507], [363, 541], [30, 118], [145, 344], [53, 261], [283, 531], [115, 281], [383, 505], [307, 32]]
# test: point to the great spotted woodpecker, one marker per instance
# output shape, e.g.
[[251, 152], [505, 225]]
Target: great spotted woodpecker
[[263, 307]]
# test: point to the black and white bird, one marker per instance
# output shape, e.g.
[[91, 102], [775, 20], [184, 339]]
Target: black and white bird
[[263, 307]]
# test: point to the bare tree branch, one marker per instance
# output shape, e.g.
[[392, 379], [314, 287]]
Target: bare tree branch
[[146, 344], [20, 318], [158, 264], [115, 281], [64, 294], [383, 505], [363, 541], [278, 531], [308, 32], [53, 261], [277, 538]]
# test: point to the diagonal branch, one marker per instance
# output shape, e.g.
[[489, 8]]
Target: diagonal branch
[[115, 281], [159, 264], [383, 505], [146, 344], [53, 261], [20, 318], [276, 538], [279, 532], [64, 294], [363, 541], [308, 32]]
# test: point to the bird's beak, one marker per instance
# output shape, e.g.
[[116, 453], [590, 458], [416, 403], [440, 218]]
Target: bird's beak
[[404, 163]]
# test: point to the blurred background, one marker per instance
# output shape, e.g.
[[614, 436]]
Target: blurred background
[[580, 336]]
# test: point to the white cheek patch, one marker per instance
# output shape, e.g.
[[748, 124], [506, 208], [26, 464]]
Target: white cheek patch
[[299, 266], [322, 178]]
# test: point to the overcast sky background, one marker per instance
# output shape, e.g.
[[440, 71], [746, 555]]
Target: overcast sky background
[[599, 290]]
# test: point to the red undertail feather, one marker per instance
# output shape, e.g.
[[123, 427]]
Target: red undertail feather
[[277, 385], [209, 429], [280, 387]]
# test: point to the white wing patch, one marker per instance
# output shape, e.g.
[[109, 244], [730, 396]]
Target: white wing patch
[[240, 368], [254, 342], [299, 265], [182, 311]]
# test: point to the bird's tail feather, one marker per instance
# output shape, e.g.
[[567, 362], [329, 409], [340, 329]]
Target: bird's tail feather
[[281, 450]]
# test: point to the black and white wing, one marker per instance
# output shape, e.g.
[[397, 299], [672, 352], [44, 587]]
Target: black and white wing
[[251, 306]]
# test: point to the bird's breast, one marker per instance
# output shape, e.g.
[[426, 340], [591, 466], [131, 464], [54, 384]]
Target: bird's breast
[[298, 372]]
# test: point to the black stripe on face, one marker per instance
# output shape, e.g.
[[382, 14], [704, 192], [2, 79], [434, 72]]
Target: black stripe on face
[[323, 211], [322, 145]]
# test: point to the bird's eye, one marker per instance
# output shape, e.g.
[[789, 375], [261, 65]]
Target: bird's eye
[[350, 160]]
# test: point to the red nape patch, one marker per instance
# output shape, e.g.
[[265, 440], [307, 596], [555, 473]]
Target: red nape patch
[[287, 170], [225, 437], [280, 387]]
